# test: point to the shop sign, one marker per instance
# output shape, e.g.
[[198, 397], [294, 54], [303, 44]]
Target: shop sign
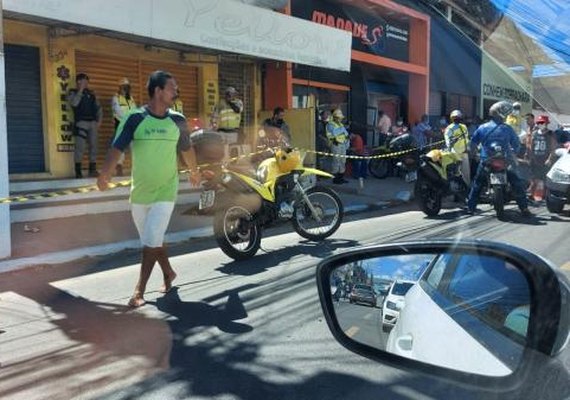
[[65, 141], [371, 33], [500, 92], [224, 25]]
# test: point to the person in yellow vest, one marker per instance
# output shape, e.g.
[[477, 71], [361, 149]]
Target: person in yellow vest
[[514, 119], [456, 140], [229, 112], [178, 105], [339, 143], [122, 104]]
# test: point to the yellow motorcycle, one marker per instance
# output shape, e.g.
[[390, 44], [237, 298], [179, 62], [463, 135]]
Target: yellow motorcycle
[[439, 175], [281, 190]]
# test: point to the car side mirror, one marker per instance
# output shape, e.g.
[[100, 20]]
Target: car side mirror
[[468, 310]]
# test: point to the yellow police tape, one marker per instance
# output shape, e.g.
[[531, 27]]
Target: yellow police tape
[[92, 188]]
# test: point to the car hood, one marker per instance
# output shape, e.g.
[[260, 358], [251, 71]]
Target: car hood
[[563, 163]]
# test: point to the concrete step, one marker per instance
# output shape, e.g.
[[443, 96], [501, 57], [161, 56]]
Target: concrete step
[[77, 204]]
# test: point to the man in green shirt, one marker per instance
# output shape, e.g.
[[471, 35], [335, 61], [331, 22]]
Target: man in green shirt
[[157, 135]]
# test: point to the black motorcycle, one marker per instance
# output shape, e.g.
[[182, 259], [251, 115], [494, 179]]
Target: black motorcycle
[[399, 165]]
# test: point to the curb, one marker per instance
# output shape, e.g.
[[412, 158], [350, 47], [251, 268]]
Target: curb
[[61, 257]]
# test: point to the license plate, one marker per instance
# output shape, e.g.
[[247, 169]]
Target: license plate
[[412, 176], [498, 179], [207, 198]]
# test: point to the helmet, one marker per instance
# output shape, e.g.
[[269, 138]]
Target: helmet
[[338, 114], [124, 82], [455, 114], [287, 160], [517, 105], [231, 90], [542, 119], [501, 109]]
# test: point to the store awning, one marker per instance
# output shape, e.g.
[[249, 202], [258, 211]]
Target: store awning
[[224, 25]]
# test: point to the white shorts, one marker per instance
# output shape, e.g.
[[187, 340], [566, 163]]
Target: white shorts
[[151, 221]]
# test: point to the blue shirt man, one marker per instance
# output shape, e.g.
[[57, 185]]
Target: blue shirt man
[[496, 131]]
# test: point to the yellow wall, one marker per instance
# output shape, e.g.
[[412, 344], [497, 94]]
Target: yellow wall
[[60, 50]]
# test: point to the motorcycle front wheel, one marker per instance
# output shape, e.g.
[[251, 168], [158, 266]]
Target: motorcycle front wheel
[[429, 198], [325, 217], [237, 232]]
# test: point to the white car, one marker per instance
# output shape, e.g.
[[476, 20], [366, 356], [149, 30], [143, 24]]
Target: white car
[[558, 183], [461, 314], [394, 302]]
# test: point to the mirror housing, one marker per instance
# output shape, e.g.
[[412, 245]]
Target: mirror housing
[[549, 324]]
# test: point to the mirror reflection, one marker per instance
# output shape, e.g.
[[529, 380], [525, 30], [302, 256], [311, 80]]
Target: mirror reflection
[[466, 312]]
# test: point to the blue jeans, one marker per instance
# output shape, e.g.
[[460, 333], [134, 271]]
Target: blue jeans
[[359, 168], [479, 182]]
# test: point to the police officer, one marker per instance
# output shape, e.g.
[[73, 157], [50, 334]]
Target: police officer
[[456, 140], [338, 139], [121, 104], [88, 116], [229, 111], [496, 131]]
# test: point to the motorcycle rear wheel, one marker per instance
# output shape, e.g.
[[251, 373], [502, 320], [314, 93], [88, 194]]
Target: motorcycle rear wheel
[[236, 232], [328, 206], [499, 200]]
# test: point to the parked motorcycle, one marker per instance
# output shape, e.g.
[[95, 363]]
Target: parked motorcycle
[[439, 176], [404, 164], [244, 205]]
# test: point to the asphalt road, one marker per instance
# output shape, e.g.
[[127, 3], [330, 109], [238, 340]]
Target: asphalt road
[[249, 330], [362, 323]]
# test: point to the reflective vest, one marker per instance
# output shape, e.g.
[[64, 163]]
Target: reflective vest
[[178, 106], [336, 130], [456, 136], [126, 106], [228, 118]]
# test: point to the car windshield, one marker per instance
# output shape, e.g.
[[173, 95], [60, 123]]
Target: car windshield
[[173, 172], [400, 289]]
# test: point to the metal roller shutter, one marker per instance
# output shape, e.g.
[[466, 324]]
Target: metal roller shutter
[[24, 110], [104, 73], [236, 75], [186, 79]]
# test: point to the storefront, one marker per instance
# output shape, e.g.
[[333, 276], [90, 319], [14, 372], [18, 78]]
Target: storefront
[[389, 63], [48, 43], [207, 45], [499, 84]]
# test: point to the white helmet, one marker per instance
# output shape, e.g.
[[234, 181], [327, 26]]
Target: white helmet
[[501, 109], [455, 114], [517, 105]]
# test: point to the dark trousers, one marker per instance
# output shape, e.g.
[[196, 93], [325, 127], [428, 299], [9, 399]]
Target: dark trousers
[[481, 178], [359, 168]]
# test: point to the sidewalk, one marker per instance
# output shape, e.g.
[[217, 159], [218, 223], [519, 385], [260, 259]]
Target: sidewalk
[[65, 239]]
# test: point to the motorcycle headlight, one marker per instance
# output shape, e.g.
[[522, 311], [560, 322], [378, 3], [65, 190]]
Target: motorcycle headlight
[[559, 176]]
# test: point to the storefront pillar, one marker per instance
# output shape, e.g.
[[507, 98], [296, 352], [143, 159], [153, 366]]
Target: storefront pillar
[[208, 88], [419, 55], [278, 85], [5, 238]]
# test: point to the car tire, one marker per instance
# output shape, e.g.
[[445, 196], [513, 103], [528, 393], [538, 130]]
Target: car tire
[[554, 206]]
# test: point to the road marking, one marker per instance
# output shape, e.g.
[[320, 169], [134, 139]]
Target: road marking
[[353, 330], [566, 266]]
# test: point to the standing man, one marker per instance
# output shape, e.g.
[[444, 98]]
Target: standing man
[[122, 104], [278, 128], [88, 116], [456, 139], [322, 142], [338, 139], [229, 112], [496, 131], [384, 125], [540, 145], [157, 134], [422, 131]]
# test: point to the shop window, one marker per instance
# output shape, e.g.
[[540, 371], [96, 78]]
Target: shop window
[[436, 103], [324, 99], [464, 103]]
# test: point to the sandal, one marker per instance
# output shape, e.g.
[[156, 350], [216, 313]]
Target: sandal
[[136, 301]]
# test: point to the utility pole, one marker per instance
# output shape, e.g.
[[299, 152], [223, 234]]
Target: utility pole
[[5, 239]]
